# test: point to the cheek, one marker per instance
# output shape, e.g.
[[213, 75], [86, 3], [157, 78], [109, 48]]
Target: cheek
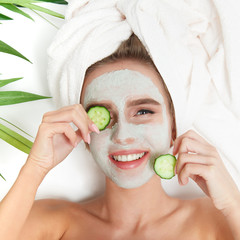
[[158, 137], [99, 143]]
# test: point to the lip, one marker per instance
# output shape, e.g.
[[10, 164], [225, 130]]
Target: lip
[[129, 164], [127, 152]]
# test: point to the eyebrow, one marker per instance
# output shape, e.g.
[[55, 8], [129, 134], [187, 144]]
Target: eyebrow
[[142, 101]]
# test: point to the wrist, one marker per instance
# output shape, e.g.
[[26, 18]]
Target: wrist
[[35, 172], [232, 211], [233, 207], [232, 215], [41, 166]]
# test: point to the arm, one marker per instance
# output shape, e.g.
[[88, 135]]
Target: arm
[[54, 141], [16, 205], [200, 161], [233, 217]]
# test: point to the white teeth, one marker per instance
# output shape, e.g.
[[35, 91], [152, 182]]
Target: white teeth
[[126, 158]]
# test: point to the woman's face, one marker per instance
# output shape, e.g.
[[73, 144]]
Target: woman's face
[[139, 129]]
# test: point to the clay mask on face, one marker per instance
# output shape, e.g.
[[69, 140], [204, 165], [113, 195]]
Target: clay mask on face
[[118, 87]]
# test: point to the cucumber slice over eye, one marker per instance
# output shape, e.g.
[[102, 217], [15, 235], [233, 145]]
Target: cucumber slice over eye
[[164, 166], [100, 116]]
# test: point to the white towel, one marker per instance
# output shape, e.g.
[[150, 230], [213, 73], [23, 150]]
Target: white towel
[[193, 43]]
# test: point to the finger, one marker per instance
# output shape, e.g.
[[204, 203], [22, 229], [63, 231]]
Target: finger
[[51, 113], [79, 136], [48, 130], [189, 145], [55, 116], [75, 114], [63, 109], [93, 127], [191, 135], [91, 124], [67, 117], [191, 170], [186, 158]]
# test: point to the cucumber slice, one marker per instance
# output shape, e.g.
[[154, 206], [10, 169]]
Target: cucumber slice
[[164, 166], [100, 116]]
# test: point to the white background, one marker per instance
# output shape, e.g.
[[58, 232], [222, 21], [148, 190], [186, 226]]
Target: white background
[[78, 177]]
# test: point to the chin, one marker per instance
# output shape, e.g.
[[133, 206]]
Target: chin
[[131, 183]]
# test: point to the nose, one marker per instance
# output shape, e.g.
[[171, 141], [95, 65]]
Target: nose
[[122, 135]]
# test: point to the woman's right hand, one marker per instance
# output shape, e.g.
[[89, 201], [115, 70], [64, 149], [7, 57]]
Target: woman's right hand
[[56, 138]]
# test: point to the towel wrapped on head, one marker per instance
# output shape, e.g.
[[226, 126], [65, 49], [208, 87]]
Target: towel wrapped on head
[[192, 43]]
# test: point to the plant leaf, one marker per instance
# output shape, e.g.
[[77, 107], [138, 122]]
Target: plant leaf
[[15, 139], [8, 49], [28, 4], [14, 97], [2, 176], [4, 17], [42, 9], [18, 2], [13, 8], [44, 18], [16, 127], [7, 81], [54, 1]]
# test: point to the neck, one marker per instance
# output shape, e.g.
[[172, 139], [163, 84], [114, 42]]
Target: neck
[[136, 206]]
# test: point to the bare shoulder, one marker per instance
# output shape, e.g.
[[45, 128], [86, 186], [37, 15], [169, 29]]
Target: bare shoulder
[[51, 206], [210, 218], [49, 219]]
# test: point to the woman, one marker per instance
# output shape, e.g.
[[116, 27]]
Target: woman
[[134, 205]]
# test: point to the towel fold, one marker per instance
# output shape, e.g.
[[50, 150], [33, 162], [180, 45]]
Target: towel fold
[[193, 43]]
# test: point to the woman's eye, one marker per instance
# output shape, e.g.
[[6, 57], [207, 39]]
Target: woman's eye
[[144, 111]]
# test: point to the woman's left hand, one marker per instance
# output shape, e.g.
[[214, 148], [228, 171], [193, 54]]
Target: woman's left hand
[[201, 162]]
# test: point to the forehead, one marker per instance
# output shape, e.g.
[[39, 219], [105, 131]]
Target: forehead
[[121, 85], [142, 69]]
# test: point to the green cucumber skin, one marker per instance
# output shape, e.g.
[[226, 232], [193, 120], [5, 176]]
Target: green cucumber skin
[[108, 115], [165, 155]]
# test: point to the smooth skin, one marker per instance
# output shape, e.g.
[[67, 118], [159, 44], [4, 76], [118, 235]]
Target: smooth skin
[[146, 212]]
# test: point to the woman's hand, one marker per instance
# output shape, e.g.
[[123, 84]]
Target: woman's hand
[[54, 141], [56, 138], [201, 162]]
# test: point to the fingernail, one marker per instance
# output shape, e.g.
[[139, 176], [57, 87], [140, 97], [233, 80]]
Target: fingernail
[[95, 128], [88, 138]]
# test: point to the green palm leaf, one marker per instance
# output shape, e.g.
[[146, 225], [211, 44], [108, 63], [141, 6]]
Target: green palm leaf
[[16, 127], [14, 97], [7, 81], [4, 17], [42, 9], [2, 176], [15, 139], [17, 2], [54, 1], [15, 9], [28, 4], [8, 49]]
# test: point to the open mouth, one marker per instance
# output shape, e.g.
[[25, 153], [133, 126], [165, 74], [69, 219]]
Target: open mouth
[[129, 157], [128, 160]]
